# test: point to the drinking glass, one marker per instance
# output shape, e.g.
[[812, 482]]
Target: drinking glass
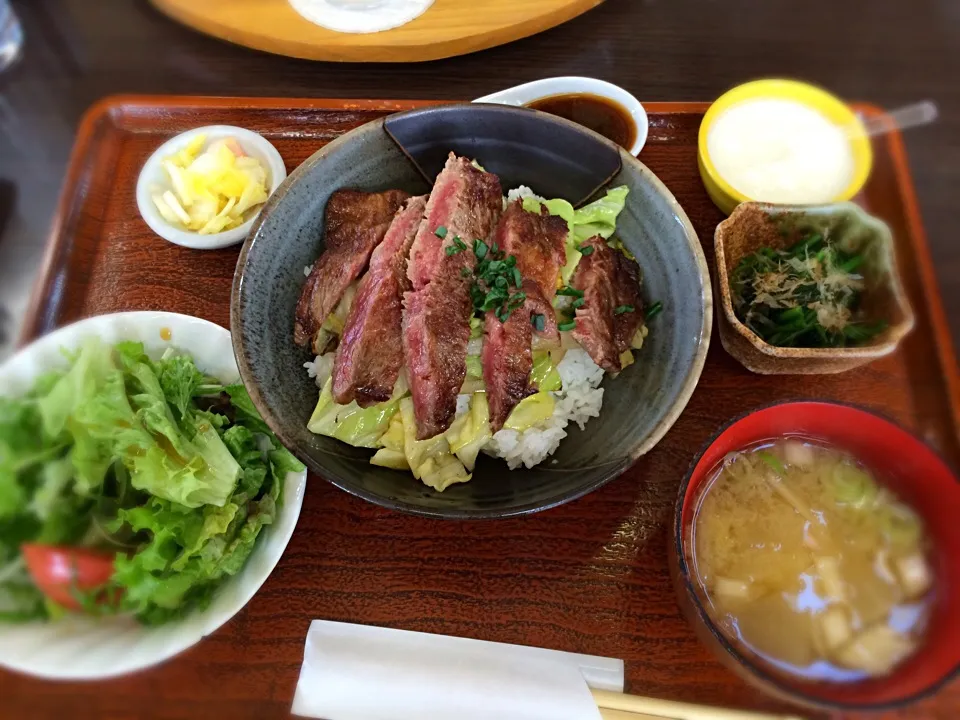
[[11, 35]]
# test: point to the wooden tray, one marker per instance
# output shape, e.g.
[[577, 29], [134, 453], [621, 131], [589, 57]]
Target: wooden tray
[[448, 28], [588, 577]]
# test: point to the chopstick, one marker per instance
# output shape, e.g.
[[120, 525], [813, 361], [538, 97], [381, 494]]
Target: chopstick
[[618, 706]]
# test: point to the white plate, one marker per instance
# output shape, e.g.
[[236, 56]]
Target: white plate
[[80, 648], [538, 89], [153, 175]]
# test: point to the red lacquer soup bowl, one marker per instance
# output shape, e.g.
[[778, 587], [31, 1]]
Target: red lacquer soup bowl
[[916, 474]]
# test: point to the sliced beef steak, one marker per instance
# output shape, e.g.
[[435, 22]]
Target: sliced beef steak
[[627, 291], [594, 278], [609, 280], [507, 358], [370, 353], [465, 203], [355, 224], [436, 330], [537, 242]]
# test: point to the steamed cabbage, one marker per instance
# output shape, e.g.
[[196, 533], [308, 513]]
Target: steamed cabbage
[[354, 425], [430, 460], [471, 431]]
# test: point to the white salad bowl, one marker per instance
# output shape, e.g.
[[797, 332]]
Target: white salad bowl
[[153, 175], [83, 648]]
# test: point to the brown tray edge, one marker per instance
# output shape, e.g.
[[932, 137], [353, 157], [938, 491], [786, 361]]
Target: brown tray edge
[[931, 289], [112, 107]]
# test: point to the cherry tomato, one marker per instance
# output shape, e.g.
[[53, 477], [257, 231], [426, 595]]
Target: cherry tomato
[[57, 571]]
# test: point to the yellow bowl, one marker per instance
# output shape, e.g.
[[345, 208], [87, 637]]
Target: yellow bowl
[[723, 194]]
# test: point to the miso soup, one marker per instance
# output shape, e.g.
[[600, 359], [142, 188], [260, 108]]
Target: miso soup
[[808, 561]]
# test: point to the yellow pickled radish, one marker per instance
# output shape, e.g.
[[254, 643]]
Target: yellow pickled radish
[[212, 190]]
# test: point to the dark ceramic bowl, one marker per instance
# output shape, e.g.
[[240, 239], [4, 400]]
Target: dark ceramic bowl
[[556, 158], [917, 475]]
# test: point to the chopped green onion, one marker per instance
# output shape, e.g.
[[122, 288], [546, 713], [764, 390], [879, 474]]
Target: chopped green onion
[[480, 249], [458, 246], [654, 309], [440, 232], [571, 291], [585, 250], [517, 279], [773, 462], [564, 327], [494, 249], [539, 322], [477, 295], [493, 299], [578, 302], [465, 272], [621, 309]]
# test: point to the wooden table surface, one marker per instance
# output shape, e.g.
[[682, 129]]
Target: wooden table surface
[[882, 51]]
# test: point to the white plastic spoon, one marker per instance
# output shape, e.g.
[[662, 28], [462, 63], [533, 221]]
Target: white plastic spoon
[[908, 116]]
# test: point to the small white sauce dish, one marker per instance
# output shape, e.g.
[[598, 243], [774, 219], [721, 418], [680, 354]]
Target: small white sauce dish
[[538, 89], [153, 175]]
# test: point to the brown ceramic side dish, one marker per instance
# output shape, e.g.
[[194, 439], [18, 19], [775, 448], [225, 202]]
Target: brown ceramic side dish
[[753, 226]]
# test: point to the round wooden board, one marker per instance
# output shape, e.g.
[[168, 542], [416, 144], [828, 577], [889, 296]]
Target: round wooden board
[[447, 28]]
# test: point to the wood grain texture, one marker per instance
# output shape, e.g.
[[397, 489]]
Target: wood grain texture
[[446, 29], [588, 577]]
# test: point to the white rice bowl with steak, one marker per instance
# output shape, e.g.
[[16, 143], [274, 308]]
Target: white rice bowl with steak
[[466, 321]]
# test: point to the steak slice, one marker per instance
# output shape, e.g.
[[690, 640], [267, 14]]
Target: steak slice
[[436, 330], [355, 224], [466, 201], [609, 280], [594, 277], [370, 353], [627, 295], [537, 242], [507, 358]]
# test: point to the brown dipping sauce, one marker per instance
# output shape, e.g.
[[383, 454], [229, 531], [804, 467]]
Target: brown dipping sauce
[[600, 114]]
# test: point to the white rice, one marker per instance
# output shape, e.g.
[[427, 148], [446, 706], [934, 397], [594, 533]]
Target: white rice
[[307, 270], [321, 368], [521, 192], [579, 399]]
